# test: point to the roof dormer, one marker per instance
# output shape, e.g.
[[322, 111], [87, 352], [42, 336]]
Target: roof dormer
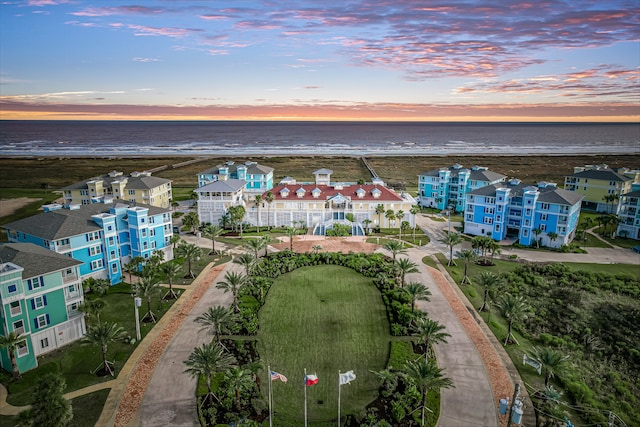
[[284, 192], [360, 192], [300, 192], [316, 192], [376, 193]]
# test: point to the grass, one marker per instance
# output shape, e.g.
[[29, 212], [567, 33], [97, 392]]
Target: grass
[[325, 319]]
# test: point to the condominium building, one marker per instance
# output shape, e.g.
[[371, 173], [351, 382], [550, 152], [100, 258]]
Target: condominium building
[[258, 178], [139, 187], [215, 198], [527, 212], [629, 214], [40, 292], [598, 182], [447, 187], [103, 236]]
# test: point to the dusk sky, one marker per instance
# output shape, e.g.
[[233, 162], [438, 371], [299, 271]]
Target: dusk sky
[[576, 60]]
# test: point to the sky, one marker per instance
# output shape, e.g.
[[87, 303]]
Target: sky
[[404, 60]]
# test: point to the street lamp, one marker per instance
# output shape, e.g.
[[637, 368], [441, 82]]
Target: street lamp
[[137, 302]]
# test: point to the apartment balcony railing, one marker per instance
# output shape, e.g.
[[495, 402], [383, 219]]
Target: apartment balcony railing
[[72, 295], [62, 248], [19, 331], [69, 278]]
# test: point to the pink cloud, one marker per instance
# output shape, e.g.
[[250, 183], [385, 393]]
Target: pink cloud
[[142, 30]]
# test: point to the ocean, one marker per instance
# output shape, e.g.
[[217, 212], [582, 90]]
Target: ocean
[[221, 138]]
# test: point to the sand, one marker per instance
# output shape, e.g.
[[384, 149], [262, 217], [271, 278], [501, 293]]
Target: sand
[[9, 206]]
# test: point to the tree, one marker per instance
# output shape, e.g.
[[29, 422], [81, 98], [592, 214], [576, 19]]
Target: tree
[[390, 215], [451, 240], [10, 342], [268, 197], [133, 265], [430, 332], [537, 232], [212, 232], [191, 221], [316, 248], [399, 217], [102, 334], [258, 203], [494, 249], [239, 380], [266, 240], [233, 282], [415, 210], [586, 224], [255, 245], [417, 292], [95, 286], [191, 253], [481, 243], [91, 307], [207, 360], [246, 260], [147, 288], [174, 240], [553, 362], [367, 223], [406, 266], [171, 270], [426, 376], [291, 232], [237, 214], [50, 408], [514, 309], [489, 281], [215, 319], [467, 256], [395, 247], [379, 211], [552, 236]]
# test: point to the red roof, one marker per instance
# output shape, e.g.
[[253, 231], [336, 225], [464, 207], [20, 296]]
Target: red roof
[[329, 191]]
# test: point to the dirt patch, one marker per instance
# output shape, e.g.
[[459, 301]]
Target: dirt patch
[[303, 244], [9, 206]]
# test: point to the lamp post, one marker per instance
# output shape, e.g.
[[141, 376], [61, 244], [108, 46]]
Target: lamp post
[[137, 302]]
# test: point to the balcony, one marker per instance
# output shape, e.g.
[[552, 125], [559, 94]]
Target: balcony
[[19, 331], [66, 278]]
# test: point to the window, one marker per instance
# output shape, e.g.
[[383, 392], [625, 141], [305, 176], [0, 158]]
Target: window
[[112, 255], [95, 250], [41, 321], [152, 232], [143, 232], [109, 227], [543, 217], [12, 288], [132, 192], [498, 218], [528, 212], [469, 217], [97, 264], [15, 308], [543, 227], [44, 343], [545, 206], [525, 233], [488, 220], [38, 302], [497, 227], [93, 236], [488, 210], [114, 268], [22, 349], [112, 241], [18, 327], [35, 283]]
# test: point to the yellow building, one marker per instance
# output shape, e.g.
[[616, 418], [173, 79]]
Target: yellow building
[[597, 183], [139, 187]]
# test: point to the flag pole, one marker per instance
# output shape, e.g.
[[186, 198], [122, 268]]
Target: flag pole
[[305, 397], [338, 398], [270, 419]]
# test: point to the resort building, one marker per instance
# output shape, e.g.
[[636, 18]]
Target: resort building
[[629, 214], [601, 186], [215, 199], [103, 236], [321, 204], [542, 213], [139, 187], [258, 178], [446, 188], [40, 292]]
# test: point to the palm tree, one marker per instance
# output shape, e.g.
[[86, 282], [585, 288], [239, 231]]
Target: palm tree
[[133, 265], [406, 266], [91, 307], [147, 288], [494, 249], [399, 216], [430, 332], [390, 215], [553, 362], [268, 197], [207, 360], [96, 286], [489, 281], [426, 376], [191, 221], [215, 319], [102, 334], [466, 255], [417, 292], [10, 342], [247, 260], [233, 282], [258, 202], [171, 270], [514, 309], [239, 380], [379, 211], [191, 253], [291, 232], [366, 222], [389, 380], [237, 214], [212, 232], [316, 248], [50, 408], [254, 245], [174, 240], [415, 210], [537, 232], [451, 240], [586, 224], [481, 243], [395, 247], [266, 240], [552, 236]]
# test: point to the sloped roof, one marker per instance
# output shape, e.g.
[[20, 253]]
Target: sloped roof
[[549, 194], [253, 168], [62, 223], [222, 186], [601, 174], [146, 182], [476, 174], [34, 259], [329, 191], [136, 183]]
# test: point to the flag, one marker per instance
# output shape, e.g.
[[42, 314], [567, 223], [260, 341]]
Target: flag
[[347, 377], [277, 376], [310, 380]]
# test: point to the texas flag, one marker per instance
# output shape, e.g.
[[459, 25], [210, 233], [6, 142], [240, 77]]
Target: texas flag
[[310, 380]]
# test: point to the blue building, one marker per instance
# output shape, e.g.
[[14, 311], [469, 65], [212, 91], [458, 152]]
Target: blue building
[[512, 209], [40, 292], [104, 236], [447, 187], [258, 178]]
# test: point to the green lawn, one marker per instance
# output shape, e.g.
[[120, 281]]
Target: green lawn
[[325, 319]]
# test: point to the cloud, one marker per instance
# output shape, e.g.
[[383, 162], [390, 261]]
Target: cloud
[[139, 59], [142, 30], [120, 10]]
